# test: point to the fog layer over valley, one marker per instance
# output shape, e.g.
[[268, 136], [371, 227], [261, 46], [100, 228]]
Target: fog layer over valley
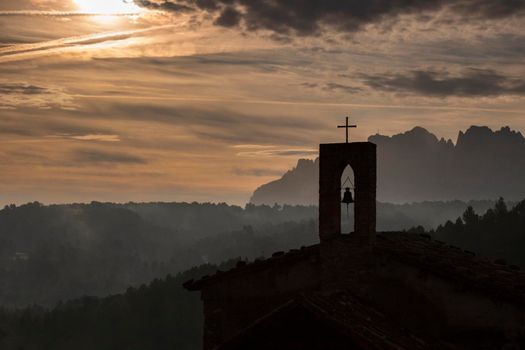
[[162, 315], [59, 252]]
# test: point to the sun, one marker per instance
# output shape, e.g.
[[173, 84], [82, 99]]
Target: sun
[[107, 7]]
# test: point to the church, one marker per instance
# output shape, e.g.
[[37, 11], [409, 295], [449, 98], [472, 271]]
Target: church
[[365, 289]]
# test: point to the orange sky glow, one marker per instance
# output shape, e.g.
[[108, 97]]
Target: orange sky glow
[[172, 101]]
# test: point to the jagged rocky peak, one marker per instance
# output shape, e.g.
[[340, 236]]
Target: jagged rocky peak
[[305, 163], [415, 133], [419, 131], [417, 136], [304, 166], [296, 186], [448, 143], [481, 136], [474, 135], [416, 165]]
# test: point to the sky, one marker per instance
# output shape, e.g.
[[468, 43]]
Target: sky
[[204, 100]]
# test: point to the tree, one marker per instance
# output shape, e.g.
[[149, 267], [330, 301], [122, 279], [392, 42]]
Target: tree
[[500, 208], [470, 218]]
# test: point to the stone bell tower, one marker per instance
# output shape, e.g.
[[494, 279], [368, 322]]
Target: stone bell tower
[[333, 159]]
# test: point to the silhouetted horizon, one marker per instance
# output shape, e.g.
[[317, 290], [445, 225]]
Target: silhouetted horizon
[[154, 147], [416, 166]]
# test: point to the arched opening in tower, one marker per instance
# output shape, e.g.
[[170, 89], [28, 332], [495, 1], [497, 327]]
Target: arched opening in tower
[[347, 200]]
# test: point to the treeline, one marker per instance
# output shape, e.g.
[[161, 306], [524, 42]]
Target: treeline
[[160, 315], [60, 252], [498, 233], [53, 253], [197, 220]]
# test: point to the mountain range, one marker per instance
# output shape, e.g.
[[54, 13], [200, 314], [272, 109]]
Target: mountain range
[[418, 166]]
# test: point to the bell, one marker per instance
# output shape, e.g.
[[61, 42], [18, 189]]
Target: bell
[[347, 196]]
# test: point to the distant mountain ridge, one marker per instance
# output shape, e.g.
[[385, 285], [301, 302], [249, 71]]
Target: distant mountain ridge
[[417, 166]]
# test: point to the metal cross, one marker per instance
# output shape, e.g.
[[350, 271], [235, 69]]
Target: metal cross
[[346, 126]]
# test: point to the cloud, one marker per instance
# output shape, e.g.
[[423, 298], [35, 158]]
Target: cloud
[[21, 88], [14, 94], [341, 88], [48, 124], [308, 17], [230, 17], [24, 51], [469, 83], [332, 87], [291, 152], [222, 125], [95, 137], [58, 14], [253, 146], [43, 5], [257, 172], [97, 156], [164, 6]]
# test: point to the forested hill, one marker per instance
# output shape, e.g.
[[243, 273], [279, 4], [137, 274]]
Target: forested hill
[[59, 252], [162, 315], [416, 166], [157, 316], [50, 253], [499, 232]]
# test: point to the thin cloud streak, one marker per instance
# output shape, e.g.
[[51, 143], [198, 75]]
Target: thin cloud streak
[[21, 51], [291, 152], [95, 137], [63, 14], [298, 103], [86, 156], [102, 138]]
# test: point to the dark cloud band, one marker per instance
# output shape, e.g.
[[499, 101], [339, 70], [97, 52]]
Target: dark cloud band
[[164, 6], [470, 83], [307, 17], [98, 156], [20, 88]]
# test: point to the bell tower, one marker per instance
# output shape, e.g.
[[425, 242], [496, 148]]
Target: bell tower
[[333, 158]]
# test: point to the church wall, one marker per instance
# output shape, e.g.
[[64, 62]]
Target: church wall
[[291, 329], [234, 303]]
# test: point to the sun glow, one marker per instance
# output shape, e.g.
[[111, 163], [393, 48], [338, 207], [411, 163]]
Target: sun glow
[[107, 7]]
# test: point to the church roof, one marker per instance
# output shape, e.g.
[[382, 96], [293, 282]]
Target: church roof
[[493, 277], [277, 258], [364, 325]]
